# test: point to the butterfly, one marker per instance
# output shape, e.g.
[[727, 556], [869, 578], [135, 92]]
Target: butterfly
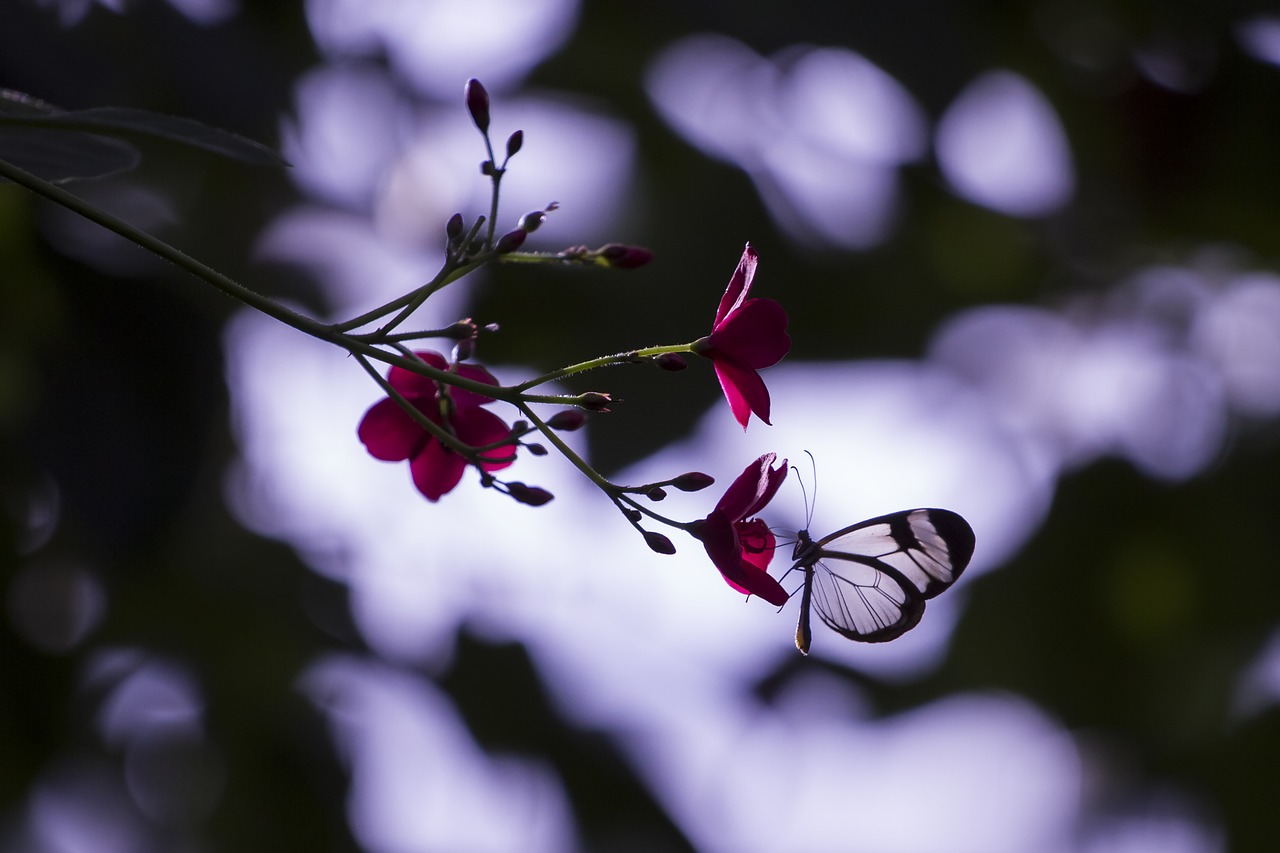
[[870, 581]]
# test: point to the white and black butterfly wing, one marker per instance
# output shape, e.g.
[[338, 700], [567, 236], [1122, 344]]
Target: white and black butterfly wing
[[870, 581], [863, 602]]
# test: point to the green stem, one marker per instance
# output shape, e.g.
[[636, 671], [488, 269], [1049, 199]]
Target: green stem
[[604, 361]]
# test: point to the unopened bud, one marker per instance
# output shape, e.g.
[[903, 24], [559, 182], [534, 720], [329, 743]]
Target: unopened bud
[[658, 542], [693, 481], [477, 103], [657, 493], [531, 495], [510, 241], [464, 349], [672, 361], [531, 221], [595, 401], [453, 230], [514, 143], [633, 515], [488, 169], [536, 449], [567, 420], [463, 330], [625, 257]]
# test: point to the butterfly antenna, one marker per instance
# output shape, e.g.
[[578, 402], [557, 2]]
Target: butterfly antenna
[[809, 505]]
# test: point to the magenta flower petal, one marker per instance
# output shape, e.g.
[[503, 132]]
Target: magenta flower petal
[[478, 427], [755, 334], [436, 470], [392, 434], [752, 490], [739, 285], [411, 384], [748, 335], [759, 582], [742, 549], [475, 373], [721, 542], [389, 433], [744, 390]]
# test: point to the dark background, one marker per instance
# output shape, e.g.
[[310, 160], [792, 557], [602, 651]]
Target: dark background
[[111, 386]]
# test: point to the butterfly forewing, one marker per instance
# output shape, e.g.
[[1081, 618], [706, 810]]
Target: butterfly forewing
[[870, 581], [929, 547]]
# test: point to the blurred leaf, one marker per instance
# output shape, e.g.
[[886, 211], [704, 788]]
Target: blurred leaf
[[63, 145]]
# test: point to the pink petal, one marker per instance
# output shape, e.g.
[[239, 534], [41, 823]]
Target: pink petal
[[758, 543], [412, 384], [749, 493], [744, 389], [479, 427], [755, 334], [761, 583], [468, 398], [389, 432], [739, 285], [436, 470], [721, 542]]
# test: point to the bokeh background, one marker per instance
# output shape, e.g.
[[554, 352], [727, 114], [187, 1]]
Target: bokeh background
[[1029, 252]]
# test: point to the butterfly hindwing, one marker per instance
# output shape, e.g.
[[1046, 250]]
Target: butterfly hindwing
[[870, 581]]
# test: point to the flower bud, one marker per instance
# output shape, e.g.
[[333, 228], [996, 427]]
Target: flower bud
[[453, 230], [633, 515], [672, 361], [595, 401], [657, 493], [510, 241], [693, 481], [531, 221], [658, 542], [531, 495], [488, 169], [536, 449], [464, 349], [477, 103], [567, 420], [514, 143], [463, 330], [625, 257]]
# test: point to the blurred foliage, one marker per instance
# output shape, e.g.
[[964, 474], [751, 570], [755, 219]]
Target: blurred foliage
[[1130, 617]]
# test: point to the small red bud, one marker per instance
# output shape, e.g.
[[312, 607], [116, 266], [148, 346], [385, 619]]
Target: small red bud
[[595, 401], [536, 449], [567, 420], [510, 241], [531, 495], [453, 230], [514, 143], [693, 481], [657, 493], [659, 543], [634, 515], [477, 103], [625, 257], [672, 361]]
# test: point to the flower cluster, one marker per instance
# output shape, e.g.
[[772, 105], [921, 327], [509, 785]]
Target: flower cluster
[[437, 414]]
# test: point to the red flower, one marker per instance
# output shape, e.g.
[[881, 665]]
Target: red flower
[[391, 434], [748, 335], [740, 548]]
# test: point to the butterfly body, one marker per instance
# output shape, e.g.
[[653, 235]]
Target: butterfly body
[[869, 581]]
